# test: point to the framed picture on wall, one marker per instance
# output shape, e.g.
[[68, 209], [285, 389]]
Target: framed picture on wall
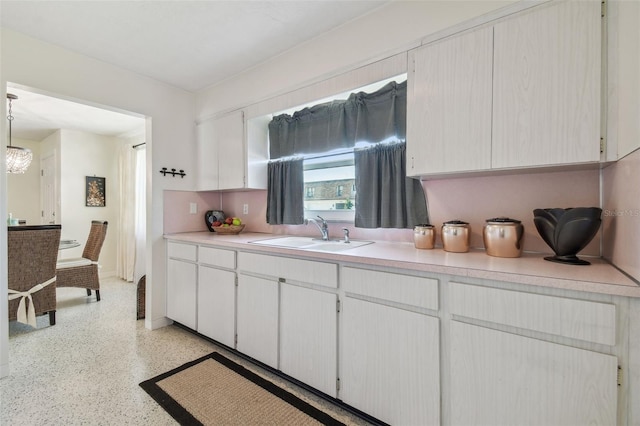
[[95, 191]]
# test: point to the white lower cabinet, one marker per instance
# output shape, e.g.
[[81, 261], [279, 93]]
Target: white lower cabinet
[[535, 357], [257, 319], [498, 378], [308, 337], [181, 292], [217, 304], [389, 363]]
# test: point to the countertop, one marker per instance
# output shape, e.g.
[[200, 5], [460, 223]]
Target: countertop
[[530, 268]]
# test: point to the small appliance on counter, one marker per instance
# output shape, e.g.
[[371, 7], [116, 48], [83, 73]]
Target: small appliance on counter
[[503, 237], [455, 236], [567, 231], [212, 216], [424, 236]]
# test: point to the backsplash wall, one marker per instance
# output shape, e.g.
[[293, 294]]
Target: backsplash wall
[[177, 216], [472, 199], [621, 213]]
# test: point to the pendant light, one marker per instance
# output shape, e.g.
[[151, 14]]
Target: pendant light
[[18, 159]]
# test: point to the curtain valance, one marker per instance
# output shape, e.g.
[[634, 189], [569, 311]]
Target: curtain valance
[[369, 117]]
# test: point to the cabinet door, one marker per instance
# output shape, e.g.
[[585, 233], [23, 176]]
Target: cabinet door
[[216, 304], [449, 105], [389, 363], [502, 378], [257, 319], [207, 160], [229, 135], [181, 292], [221, 153], [546, 106], [308, 339]]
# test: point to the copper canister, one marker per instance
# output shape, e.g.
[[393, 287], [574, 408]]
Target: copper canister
[[424, 236], [503, 237], [455, 236]]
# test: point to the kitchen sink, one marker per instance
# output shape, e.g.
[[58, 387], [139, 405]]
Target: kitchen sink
[[309, 243]]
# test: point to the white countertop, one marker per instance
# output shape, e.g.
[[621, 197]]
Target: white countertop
[[532, 269]]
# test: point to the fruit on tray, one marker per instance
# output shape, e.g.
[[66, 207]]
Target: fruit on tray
[[230, 221]]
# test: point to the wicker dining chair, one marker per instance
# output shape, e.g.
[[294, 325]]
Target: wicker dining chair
[[31, 270], [83, 272]]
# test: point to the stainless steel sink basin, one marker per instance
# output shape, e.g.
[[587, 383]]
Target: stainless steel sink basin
[[309, 243]]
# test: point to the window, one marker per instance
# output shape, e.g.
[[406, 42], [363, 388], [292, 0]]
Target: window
[[329, 174], [311, 191], [328, 178]]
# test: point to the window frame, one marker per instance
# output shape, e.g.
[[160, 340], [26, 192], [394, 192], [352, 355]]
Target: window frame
[[343, 159]]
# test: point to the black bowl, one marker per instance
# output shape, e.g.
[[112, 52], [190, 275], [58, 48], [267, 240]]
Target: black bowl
[[567, 231]]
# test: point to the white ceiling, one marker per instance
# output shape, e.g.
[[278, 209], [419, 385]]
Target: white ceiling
[[36, 116], [187, 44]]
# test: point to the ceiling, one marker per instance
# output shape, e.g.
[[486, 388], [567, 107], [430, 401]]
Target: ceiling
[[187, 44], [36, 116]]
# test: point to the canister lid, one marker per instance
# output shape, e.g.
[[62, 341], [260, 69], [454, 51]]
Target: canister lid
[[503, 220], [456, 222], [424, 225]]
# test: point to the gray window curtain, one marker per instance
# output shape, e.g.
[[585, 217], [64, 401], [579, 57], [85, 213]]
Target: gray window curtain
[[386, 197], [285, 194], [371, 117]]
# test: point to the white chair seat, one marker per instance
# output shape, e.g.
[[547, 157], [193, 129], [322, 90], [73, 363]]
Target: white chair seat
[[72, 263]]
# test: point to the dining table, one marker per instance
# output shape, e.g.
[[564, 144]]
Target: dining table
[[67, 244]]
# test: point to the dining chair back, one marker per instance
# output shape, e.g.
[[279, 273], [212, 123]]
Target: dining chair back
[[31, 270], [83, 272]]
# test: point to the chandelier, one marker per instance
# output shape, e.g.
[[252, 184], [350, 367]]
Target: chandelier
[[18, 159]]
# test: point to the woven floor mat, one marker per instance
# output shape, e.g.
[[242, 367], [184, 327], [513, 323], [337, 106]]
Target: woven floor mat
[[214, 390]]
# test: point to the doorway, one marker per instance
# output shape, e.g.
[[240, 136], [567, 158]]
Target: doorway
[[71, 142]]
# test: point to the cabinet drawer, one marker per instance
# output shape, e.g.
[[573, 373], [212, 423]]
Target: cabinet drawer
[[306, 271], [407, 289], [217, 257], [577, 319], [182, 251]]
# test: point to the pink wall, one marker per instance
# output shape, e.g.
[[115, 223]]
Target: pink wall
[[177, 216], [473, 199], [621, 216], [476, 199], [255, 221]]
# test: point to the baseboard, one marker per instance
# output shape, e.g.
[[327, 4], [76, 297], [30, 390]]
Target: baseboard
[[4, 370], [106, 274], [156, 323]]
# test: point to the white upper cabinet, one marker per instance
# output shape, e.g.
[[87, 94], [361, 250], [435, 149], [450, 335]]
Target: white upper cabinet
[[227, 157], [524, 92], [546, 86], [449, 105], [623, 84]]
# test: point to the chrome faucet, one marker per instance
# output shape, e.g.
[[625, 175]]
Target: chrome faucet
[[346, 235], [322, 226]]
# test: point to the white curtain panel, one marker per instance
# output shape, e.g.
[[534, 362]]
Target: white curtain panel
[[126, 247], [140, 212]]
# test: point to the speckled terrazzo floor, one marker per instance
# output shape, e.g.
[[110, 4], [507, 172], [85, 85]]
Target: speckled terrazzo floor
[[85, 370]]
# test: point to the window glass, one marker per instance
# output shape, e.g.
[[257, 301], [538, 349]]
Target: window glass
[[329, 181]]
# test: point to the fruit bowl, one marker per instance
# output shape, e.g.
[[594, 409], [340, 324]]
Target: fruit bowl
[[231, 229]]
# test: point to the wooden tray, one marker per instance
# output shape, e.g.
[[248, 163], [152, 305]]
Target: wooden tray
[[231, 229]]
